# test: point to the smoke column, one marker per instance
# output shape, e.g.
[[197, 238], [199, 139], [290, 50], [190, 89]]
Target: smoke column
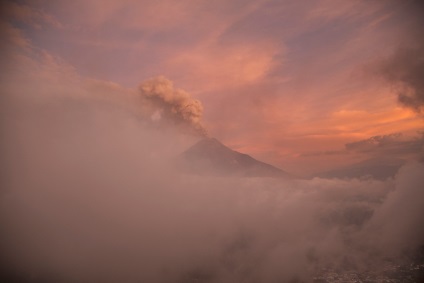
[[174, 104]]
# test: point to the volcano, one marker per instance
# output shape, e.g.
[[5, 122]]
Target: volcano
[[211, 157]]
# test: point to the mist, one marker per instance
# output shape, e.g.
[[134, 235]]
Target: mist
[[91, 194]]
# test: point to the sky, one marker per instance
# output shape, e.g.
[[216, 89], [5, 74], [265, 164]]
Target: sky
[[304, 85]]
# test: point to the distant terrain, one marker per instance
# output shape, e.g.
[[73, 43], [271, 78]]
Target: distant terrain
[[380, 168], [211, 157]]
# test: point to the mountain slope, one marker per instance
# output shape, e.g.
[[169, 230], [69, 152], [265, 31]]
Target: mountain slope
[[379, 168], [210, 157]]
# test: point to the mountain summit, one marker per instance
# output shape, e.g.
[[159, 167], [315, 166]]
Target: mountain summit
[[211, 157]]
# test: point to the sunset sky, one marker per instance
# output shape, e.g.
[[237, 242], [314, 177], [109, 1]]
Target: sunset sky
[[303, 85], [140, 140]]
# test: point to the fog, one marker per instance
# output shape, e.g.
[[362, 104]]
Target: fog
[[91, 194]]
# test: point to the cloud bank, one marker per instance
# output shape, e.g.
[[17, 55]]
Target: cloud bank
[[395, 144], [91, 195]]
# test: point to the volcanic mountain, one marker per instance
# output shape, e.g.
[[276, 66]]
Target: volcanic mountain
[[211, 157]]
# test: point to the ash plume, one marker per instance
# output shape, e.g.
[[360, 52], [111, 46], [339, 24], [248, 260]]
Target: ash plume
[[173, 104]]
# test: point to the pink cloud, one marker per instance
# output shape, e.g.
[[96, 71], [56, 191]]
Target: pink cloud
[[273, 76], [213, 67]]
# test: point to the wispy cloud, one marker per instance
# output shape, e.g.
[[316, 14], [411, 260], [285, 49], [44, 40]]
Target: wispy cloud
[[28, 15], [279, 76]]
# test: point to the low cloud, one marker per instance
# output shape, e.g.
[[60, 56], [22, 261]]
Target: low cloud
[[91, 195]]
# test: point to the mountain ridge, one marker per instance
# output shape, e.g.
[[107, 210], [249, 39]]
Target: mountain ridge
[[380, 168], [210, 157]]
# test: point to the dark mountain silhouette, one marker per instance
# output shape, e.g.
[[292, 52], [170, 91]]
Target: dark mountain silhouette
[[211, 157], [380, 168]]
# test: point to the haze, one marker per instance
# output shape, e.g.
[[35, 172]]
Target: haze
[[101, 99]]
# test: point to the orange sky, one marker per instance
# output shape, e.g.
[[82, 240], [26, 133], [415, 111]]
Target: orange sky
[[289, 82]]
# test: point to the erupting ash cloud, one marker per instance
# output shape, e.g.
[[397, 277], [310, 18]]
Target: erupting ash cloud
[[173, 104]]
